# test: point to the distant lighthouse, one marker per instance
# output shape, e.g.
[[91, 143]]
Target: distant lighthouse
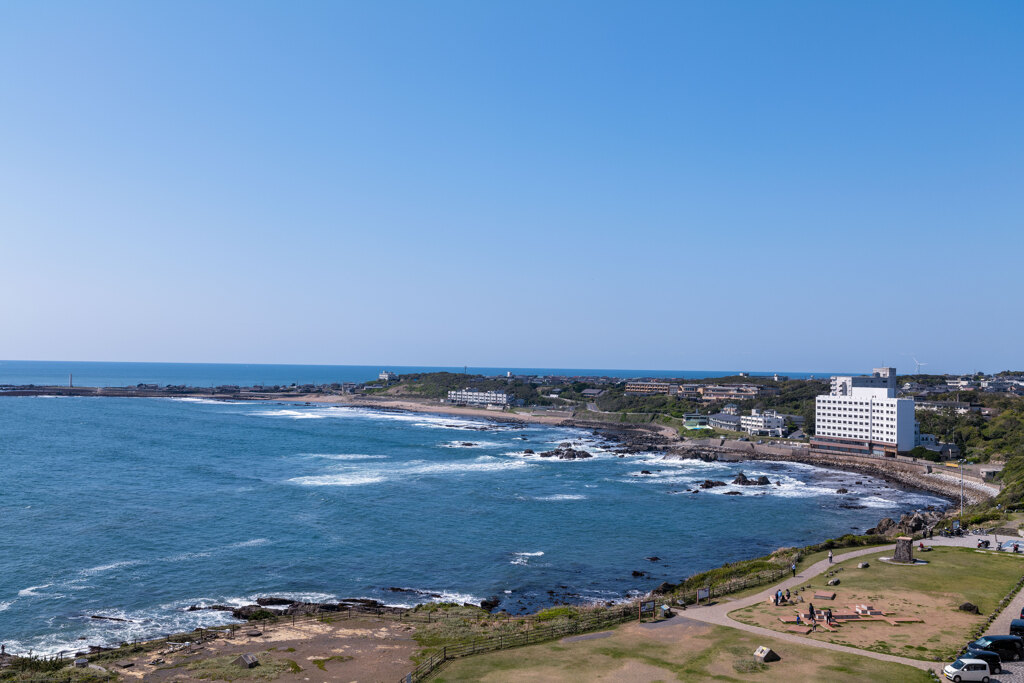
[[70, 380]]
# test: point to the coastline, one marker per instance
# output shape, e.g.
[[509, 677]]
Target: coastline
[[643, 433]]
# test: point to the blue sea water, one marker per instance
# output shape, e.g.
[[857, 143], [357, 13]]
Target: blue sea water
[[96, 374], [138, 508]]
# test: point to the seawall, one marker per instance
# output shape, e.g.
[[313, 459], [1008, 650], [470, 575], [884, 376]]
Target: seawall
[[908, 474]]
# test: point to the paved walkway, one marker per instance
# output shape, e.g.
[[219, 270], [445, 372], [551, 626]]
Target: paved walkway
[[718, 613]]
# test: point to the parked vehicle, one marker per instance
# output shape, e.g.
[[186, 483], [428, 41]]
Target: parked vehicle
[[1017, 627], [966, 670], [994, 661], [1009, 648]]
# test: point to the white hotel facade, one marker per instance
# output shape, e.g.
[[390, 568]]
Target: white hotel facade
[[862, 416], [479, 398]]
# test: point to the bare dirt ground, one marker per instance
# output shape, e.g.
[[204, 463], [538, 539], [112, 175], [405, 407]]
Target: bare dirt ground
[[351, 650]]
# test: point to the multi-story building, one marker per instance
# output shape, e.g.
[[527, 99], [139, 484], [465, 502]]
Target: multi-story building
[[690, 392], [862, 416], [735, 392], [648, 388], [475, 397], [388, 376], [730, 423], [763, 422]]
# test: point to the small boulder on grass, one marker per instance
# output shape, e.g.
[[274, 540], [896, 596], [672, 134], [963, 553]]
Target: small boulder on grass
[[970, 608]]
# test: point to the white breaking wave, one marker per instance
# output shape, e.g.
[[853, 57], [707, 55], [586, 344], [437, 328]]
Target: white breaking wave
[[357, 477], [344, 456], [293, 414], [338, 480], [470, 444], [6, 605], [563, 496], [250, 543], [31, 590], [107, 567]]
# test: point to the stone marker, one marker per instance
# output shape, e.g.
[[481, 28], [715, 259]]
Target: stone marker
[[833, 582], [863, 565], [904, 550], [247, 661], [766, 654]]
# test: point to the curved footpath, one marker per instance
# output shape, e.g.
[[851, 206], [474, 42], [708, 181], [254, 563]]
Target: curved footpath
[[718, 613]]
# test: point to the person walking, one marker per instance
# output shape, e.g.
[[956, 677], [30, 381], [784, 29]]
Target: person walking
[[830, 557]]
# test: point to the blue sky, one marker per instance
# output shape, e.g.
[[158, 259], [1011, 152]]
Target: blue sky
[[749, 185]]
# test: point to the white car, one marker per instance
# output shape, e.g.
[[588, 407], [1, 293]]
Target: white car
[[967, 670]]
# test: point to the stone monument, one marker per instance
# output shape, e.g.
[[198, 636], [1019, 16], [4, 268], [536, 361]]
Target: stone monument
[[904, 550]]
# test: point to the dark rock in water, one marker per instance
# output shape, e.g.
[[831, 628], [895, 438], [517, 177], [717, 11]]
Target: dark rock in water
[[848, 506], [710, 484], [842, 491], [664, 588], [99, 616], [565, 444], [395, 589], [970, 608], [566, 454], [652, 558], [778, 483], [270, 602], [219, 608], [732, 493], [638, 573], [468, 444], [361, 602], [528, 451], [645, 471], [762, 481]]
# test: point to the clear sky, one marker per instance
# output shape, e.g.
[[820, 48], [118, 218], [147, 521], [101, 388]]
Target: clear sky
[[685, 185]]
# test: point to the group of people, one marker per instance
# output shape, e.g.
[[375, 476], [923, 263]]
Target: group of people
[[812, 617], [781, 597]]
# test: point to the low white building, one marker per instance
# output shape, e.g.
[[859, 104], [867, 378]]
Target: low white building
[[388, 376], [474, 397], [763, 422]]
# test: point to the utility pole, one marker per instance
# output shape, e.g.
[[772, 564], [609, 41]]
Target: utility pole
[[961, 463]]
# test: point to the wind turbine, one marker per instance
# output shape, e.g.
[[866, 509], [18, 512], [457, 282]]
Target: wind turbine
[[917, 366]]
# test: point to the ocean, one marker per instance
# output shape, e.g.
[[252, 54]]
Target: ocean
[[95, 374], [137, 508]]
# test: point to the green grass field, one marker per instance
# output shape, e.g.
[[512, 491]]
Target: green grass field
[[674, 653]]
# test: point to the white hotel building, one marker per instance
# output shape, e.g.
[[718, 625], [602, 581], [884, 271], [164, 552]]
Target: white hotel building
[[479, 398], [862, 416]]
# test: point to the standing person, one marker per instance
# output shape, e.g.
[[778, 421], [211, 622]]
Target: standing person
[[793, 567], [811, 609], [830, 557], [787, 595]]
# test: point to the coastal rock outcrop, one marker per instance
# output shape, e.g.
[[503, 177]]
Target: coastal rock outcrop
[[909, 524], [743, 480], [566, 454], [710, 484], [490, 603]]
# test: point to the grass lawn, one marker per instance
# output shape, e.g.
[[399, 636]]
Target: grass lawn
[[677, 650], [929, 592]]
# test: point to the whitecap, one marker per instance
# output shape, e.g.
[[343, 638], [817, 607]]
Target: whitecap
[[338, 480], [6, 605], [344, 456], [562, 496], [293, 414], [31, 590], [107, 567]]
